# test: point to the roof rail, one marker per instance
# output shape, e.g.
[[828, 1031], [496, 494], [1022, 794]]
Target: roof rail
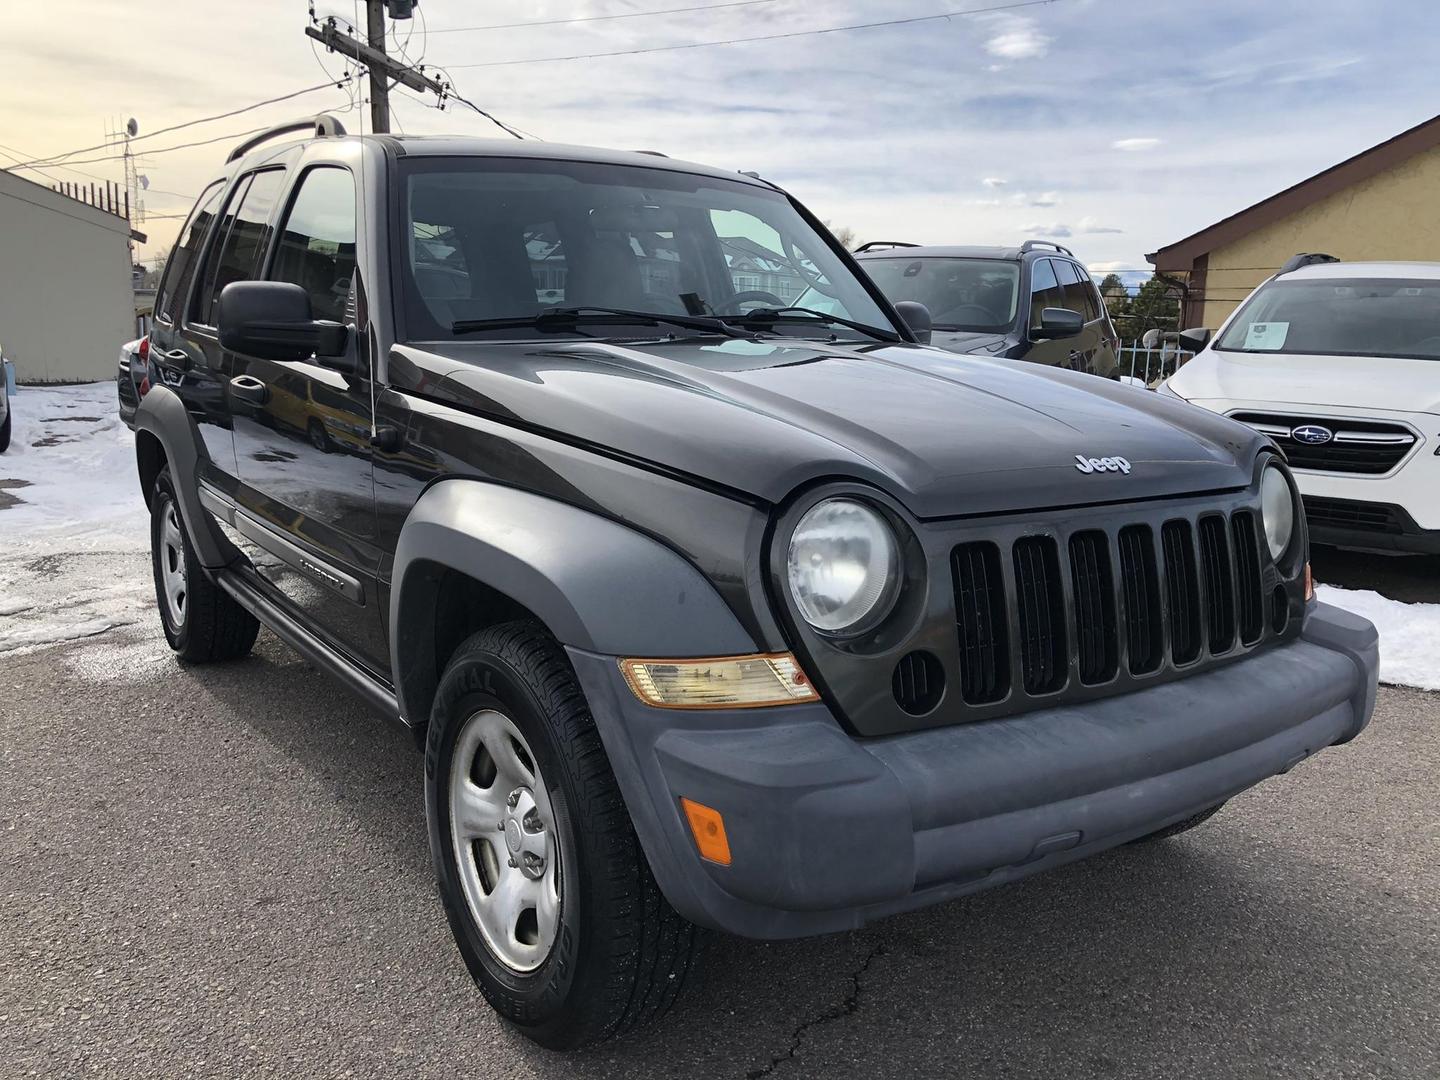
[[1031, 245], [323, 125], [1305, 258], [875, 245]]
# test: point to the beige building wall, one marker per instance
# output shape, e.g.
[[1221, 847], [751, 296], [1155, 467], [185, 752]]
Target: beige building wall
[[1390, 216], [66, 305]]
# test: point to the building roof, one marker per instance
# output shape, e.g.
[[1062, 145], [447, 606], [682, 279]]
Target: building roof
[[1182, 254]]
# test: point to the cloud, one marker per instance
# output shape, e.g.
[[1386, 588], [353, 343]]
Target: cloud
[[1018, 39], [1045, 198], [1091, 227], [994, 182], [1057, 229], [1135, 144]]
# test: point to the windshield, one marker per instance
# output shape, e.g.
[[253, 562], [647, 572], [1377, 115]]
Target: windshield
[[1340, 317], [557, 248], [962, 294]]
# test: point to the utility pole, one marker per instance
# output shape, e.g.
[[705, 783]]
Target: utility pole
[[371, 53]]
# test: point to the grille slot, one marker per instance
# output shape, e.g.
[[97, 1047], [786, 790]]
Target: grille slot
[[918, 682], [1248, 596], [1181, 591], [1353, 514], [1370, 447], [1219, 591], [1142, 599], [980, 619], [1041, 606], [1093, 586]]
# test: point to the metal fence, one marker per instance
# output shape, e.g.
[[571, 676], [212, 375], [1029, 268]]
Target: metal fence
[[1150, 366]]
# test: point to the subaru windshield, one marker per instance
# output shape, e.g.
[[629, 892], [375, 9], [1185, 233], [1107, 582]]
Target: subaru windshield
[[1391, 317], [507, 248]]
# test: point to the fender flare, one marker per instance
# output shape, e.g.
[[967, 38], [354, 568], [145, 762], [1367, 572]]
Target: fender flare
[[596, 584], [162, 414]]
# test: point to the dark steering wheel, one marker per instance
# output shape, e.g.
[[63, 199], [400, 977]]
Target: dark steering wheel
[[966, 314], [753, 295]]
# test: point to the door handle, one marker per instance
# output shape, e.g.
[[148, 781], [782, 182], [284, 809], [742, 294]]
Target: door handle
[[248, 388], [176, 358]]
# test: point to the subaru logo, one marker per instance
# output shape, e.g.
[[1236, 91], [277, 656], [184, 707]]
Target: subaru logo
[[1311, 434]]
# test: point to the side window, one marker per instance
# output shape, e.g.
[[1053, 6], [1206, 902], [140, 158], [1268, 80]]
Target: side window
[[316, 245], [1077, 295], [178, 270], [1045, 289], [235, 253]]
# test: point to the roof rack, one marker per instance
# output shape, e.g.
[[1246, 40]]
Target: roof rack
[[876, 245], [322, 124], [1031, 245], [1305, 258]]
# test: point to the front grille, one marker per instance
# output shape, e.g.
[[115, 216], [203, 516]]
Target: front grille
[[1367, 447], [980, 619], [1139, 595], [1041, 607], [1350, 514]]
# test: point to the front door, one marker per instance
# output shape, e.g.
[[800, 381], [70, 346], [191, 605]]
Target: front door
[[302, 437]]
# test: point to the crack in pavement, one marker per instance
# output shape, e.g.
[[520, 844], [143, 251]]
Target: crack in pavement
[[844, 1009]]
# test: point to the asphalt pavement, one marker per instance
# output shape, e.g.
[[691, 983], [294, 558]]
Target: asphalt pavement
[[223, 871]]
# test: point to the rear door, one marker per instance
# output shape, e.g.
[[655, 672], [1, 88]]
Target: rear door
[[302, 435]]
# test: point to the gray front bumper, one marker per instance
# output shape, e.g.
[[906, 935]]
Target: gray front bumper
[[828, 832]]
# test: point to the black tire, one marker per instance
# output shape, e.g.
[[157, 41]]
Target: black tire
[[210, 625], [1184, 825], [318, 436], [5, 429], [621, 952]]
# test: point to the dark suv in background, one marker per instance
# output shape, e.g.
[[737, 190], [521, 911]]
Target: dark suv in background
[[1035, 302]]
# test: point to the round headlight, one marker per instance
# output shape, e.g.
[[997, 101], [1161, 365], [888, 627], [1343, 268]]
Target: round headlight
[[1277, 508], [843, 565]]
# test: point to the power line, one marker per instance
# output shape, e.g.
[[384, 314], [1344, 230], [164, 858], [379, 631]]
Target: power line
[[1012, 6], [57, 158], [498, 123], [600, 18]]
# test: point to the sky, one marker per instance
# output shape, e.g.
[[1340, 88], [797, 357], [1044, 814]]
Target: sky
[[1113, 126]]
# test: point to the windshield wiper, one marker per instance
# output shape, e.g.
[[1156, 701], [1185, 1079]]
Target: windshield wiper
[[559, 319], [770, 315]]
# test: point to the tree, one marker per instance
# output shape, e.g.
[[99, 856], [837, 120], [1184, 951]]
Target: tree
[[1116, 295], [1153, 306], [843, 233]]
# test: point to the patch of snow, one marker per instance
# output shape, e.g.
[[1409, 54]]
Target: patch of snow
[[1409, 634]]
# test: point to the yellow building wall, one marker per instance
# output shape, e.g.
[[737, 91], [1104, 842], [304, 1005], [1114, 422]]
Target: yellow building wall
[[1391, 216]]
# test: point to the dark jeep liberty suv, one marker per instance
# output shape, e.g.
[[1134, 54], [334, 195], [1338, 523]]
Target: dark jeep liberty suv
[[708, 610]]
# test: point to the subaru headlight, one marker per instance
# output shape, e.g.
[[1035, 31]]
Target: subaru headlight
[[843, 566], [1277, 509]]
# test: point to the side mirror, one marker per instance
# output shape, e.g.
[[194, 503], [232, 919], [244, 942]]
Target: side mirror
[[1150, 338], [1058, 322], [272, 320], [917, 317], [1194, 340]]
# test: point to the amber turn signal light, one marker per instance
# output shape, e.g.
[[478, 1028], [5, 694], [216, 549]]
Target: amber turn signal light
[[721, 682], [708, 828], [1309, 584]]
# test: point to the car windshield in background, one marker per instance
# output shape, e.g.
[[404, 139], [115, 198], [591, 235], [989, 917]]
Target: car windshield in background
[[1340, 317], [962, 294], [520, 249]]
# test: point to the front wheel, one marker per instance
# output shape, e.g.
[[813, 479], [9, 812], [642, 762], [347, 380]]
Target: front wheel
[[5, 430], [549, 896]]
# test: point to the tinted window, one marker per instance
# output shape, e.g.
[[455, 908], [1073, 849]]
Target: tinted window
[[1077, 294], [236, 257], [178, 271], [1045, 290], [504, 239], [316, 246], [1341, 317], [962, 294]]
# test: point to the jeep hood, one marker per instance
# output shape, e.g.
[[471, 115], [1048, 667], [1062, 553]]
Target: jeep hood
[[1386, 384], [948, 435]]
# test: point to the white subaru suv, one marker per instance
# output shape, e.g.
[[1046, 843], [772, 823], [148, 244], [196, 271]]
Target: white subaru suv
[[1339, 363]]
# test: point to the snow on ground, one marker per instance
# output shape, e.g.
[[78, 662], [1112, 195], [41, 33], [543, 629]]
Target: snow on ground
[[75, 541], [74, 532], [1409, 634]]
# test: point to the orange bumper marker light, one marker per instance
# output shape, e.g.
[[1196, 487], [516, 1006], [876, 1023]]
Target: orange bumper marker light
[[708, 828]]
